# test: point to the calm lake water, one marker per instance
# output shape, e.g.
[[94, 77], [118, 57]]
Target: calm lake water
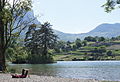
[[101, 70]]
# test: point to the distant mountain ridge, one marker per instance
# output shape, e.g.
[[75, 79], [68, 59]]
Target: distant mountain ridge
[[105, 30]]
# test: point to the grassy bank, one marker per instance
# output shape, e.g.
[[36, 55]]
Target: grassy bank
[[93, 51]]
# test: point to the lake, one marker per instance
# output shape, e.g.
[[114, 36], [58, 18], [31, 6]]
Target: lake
[[101, 70]]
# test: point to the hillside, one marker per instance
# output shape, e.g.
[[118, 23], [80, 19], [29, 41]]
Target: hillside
[[66, 36], [105, 30], [28, 17]]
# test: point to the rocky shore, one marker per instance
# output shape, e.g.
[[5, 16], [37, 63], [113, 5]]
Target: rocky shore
[[35, 78]]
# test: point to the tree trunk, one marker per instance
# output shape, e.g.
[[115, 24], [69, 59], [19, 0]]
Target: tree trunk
[[2, 46], [2, 61]]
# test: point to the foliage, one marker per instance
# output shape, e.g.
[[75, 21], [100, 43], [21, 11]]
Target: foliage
[[13, 19], [89, 38], [105, 49], [109, 53], [101, 39], [94, 39], [17, 54], [60, 46], [38, 41], [12, 13], [84, 43], [111, 5], [78, 43]]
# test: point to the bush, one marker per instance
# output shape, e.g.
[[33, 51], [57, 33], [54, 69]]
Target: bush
[[40, 59], [17, 55], [109, 53]]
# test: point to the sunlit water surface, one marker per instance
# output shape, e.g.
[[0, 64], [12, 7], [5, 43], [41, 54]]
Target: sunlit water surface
[[101, 70]]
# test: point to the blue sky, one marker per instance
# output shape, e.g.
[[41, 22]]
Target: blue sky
[[74, 16]]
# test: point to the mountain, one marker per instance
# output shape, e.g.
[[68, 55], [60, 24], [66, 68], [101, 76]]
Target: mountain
[[66, 36], [105, 30], [28, 17]]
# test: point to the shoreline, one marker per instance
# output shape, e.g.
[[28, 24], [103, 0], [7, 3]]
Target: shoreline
[[36, 78]]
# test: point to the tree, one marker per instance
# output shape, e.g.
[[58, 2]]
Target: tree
[[39, 41], [101, 39], [109, 53], [90, 38], [17, 53], [77, 40], [74, 47], [60, 46], [84, 43], [99, 50], [12, 13], [102, 50], [113, 39], [68, 46], [111, 5], [118, 37], [78, 43]]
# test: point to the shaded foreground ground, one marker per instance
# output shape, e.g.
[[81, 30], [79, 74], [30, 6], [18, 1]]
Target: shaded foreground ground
[[35, 78]]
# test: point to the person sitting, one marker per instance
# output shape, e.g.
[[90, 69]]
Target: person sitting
[[23, 75]]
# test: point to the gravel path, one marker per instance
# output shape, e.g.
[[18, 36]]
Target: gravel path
[[35, 78]]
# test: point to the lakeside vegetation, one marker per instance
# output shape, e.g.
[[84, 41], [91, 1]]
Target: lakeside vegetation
[[105, 49], [89, 49]]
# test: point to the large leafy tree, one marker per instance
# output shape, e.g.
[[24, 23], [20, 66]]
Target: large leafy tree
[[39, 41], [12, 13]]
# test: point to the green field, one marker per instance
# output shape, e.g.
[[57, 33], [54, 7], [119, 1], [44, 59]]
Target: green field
[[86, 53]]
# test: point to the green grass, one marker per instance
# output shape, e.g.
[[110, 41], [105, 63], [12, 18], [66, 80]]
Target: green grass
[[80, 53], [66, 57], [114, 47], [89, 43], [117, 57], [116, 52], [117, 41], [88, 47], [76, 53]]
